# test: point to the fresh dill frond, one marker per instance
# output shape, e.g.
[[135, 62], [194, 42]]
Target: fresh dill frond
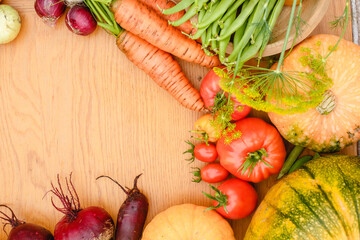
[[281, 91], [339, 21], [347, 16], [299, 21], [222, 111]]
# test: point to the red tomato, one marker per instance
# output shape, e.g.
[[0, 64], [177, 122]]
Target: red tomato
[[210, 87], [238, 197], [213, 173], [205, 153], [257, 154]]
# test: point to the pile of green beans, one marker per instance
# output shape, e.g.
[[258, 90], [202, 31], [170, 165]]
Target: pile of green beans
[[246, 23]]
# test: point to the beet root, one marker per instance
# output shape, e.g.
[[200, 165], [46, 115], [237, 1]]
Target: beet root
[[132, 213], [22, 230]]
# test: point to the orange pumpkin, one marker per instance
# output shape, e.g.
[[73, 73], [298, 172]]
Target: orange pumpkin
[[335, 123], [188, 222]]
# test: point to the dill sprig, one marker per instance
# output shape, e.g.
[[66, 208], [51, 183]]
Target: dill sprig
[[280, 91], [340, 21], [222, 111]]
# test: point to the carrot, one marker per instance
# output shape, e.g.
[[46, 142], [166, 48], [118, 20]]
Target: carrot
[[157, 64], [162, 68], [186, 27], [134, 16]]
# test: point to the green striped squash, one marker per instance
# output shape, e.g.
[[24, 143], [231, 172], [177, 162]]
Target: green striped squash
[[319, 201]]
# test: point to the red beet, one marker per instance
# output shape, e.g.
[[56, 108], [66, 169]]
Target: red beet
[[132, 213], [92, 223], [24, 231]]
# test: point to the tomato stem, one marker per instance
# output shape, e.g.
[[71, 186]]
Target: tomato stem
[[252, 159], [197, 175], [219, 197], [191, 151], [204, 137], [219, 102]]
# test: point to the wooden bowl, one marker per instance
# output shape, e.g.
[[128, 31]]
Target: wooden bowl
[[313, 12]]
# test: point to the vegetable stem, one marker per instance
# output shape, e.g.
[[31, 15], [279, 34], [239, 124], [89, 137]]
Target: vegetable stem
[[346, 12], [287, 36], [103, 16], [106, 2], [295, 153]]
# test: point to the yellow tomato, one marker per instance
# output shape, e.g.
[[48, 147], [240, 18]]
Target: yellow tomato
[[204, 126]]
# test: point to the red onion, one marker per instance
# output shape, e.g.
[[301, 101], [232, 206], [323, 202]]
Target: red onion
[[24, 231], [50, 10], [80, 21], [92, 223]]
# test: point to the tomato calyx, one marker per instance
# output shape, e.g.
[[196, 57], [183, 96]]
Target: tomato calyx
[[204, 136], [221, 198], [197, 175], [252, 159], [191, 151], [219, 102]]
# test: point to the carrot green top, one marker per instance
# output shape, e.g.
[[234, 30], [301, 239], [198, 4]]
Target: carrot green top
[[103, 15]]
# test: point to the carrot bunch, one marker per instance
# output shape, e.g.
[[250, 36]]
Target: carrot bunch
[[147, 40]]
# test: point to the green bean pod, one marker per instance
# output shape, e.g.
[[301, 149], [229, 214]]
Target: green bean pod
[[215, 29], [250, 29], [203, 35], [294, 154], [232, 9], [193, 10], [241, 19], [208, 37], [178, 7], [301, 161], [224, 43], [263, 25], [210, 10], [271, 23], [218, 12], [201, 15], [252, 49], [200, 31], [213, 3], [238, 34]]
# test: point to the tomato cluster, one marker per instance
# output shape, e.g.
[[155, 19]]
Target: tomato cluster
[[249, 150]]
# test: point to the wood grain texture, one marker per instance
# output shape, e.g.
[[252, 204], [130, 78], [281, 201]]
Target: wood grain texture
[[76, 104]]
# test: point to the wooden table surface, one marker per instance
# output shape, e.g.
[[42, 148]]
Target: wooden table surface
[[76, 104]]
